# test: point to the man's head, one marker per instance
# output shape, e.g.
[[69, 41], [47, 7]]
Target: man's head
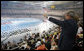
[[71, 15]]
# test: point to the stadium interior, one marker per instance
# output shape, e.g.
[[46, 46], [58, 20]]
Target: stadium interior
[[23, 26]]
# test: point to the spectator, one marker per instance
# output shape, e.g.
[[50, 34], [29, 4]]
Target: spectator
[[69, 30], [54, 46], [48, 43], [80, 30], [41, 46]]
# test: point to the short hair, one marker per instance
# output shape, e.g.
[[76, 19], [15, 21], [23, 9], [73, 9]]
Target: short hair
[[73, 15]]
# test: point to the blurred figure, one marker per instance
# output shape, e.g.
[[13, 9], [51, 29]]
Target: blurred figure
[[47, 43], [69, 30], [43, 39], [41, 47], [80, 29], [54, 46]]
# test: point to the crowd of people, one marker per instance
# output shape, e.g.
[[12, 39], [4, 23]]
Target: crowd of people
[[47, 41]]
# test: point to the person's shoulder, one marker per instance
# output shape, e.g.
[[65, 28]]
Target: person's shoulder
[[71, 20]]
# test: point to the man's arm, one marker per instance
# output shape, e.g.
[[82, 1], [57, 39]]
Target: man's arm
[[58, 22]]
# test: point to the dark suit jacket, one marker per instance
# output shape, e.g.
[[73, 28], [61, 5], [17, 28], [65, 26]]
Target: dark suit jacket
[[68, 34]]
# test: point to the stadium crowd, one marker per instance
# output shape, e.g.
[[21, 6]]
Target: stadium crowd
[[47, 41]]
